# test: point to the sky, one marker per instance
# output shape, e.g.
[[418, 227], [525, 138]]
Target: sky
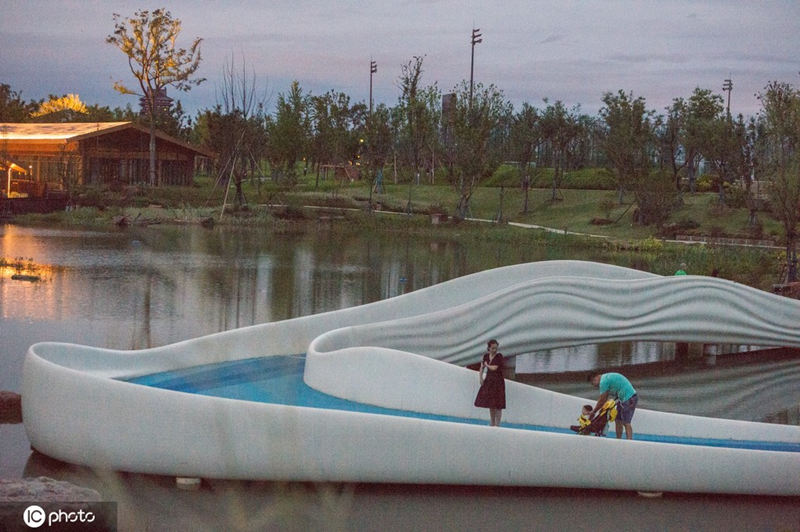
[[571, 50]]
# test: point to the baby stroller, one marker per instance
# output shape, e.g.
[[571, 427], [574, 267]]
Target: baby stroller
[[597, 425]]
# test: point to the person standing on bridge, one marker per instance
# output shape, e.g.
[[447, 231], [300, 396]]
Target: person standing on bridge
[[492, 393], [619, 387]]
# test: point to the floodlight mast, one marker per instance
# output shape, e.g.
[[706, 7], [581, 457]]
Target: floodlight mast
[[373, 68], [727, 86], [477, 37]]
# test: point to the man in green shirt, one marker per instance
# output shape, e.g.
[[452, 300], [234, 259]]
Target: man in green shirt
[[616, 386]]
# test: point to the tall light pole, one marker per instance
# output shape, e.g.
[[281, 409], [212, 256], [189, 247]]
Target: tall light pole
[[477, 37], [727, 86], [373, 68]]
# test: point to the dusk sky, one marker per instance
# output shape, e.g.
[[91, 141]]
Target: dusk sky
[[572, 51]]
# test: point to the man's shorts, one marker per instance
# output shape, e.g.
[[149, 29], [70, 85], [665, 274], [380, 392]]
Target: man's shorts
[[626, 409]]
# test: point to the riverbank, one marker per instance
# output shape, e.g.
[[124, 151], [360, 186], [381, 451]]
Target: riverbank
[[760, 267]]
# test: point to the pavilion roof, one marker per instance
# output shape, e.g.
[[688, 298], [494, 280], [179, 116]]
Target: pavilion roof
[[76, 131]]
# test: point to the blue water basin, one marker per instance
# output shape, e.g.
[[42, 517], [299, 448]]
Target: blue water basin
[[279, 380]]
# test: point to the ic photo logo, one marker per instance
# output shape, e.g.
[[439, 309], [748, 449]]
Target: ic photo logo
[[34, 516]]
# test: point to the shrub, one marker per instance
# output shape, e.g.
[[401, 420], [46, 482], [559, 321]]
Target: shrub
[[650, 245], [704, 183], [735, 195]]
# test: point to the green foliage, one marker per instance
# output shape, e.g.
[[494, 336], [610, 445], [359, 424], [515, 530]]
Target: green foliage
[[148, 39], [474, 121], [12, 107], [650, 245], [656, 198], [628, 138], [735, 195], [505, 175], [288, 133], [705, 183]]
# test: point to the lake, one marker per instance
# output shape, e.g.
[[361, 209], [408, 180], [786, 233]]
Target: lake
[[146, 286]]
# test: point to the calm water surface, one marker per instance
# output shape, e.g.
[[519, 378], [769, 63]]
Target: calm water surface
[[142, 287]]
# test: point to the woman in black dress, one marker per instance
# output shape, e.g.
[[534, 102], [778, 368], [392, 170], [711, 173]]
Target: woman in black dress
[[492, 393]]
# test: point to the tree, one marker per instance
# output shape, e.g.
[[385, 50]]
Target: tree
[[629, 146], [779, 153], [472, 128], [378, 141], [628, 138], [526, 137], [321, 142], [560, 127], [148, 39], [12, 107], [289, 131], [701, 110], [669, 131], [235, 129], [96, 113], [725, 146], [418, 115], [337, 128], [65, 107], [377, 146]]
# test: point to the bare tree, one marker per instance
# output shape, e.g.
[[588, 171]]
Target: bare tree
[[240, 136]]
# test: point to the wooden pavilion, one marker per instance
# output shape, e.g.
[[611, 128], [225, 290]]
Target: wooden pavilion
[[46, 157]]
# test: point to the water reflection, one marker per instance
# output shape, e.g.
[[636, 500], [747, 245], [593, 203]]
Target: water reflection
[[586, 357], [143, 287]]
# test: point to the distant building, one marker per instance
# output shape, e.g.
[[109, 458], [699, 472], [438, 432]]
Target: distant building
[[53, 155]]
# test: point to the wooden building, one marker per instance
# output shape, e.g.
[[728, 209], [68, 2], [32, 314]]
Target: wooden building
[[51, 156]]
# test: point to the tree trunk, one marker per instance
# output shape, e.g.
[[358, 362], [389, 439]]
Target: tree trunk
[[526, 184], [153, 179]]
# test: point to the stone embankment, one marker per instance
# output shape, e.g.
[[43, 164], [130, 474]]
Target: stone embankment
[[10, 407]]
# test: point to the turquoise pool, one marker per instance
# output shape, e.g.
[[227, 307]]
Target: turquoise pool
[[279, 380]]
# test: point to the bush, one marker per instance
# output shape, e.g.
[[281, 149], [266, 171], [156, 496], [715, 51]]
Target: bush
[[735, 196], [705, 183], [650, 245], [590, 179], [656, 198]]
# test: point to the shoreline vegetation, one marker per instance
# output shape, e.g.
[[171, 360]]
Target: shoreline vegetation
[[724, 237]]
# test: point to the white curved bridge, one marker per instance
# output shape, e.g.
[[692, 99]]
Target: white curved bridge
[[392, 404]]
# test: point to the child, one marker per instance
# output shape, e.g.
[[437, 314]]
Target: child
[[584, 419], [596, 425]]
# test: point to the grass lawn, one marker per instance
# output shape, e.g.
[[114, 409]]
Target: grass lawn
[[574, 210]]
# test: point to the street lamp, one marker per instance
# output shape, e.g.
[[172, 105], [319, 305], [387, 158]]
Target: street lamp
[[373, 68], [727, 86], [477, 37]]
